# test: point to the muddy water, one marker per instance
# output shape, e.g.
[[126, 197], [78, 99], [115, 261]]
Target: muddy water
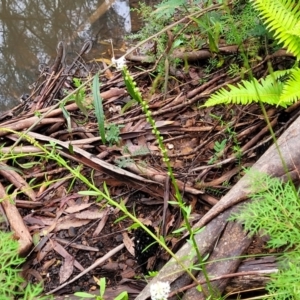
[[30, 31]]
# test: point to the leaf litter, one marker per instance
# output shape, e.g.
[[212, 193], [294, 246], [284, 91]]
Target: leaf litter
[[207, 147]]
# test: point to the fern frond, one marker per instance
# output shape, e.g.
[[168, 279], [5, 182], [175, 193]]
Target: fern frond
[[291, 91], [295, 30], [140, 151], [166, 9], [279, 75], [282, 17], [247, 92]]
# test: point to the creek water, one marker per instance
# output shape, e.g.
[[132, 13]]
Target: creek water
[[30, 31]]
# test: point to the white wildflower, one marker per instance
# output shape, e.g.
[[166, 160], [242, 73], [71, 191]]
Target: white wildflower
[[119, 63], [159, 290]]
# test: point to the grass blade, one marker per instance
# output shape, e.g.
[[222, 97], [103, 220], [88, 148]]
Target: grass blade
[[67, 116], [98, 107]]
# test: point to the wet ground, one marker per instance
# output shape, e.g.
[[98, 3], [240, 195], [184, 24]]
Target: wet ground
[[31, 30]]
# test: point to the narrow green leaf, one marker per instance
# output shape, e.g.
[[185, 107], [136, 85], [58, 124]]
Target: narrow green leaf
[[67, 116], [212, 43], [128, 105], [102, 285], [120, 219], [106, 191], [199, 288], [98, 107], [205, 257], [162, 240], [122, 296], [198, 230], [85, 295], [179, 230], [173, 202], [88, 193], [71, 148], [211, 38]]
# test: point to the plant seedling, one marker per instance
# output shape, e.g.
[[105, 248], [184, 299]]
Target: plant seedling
[[102, 287]]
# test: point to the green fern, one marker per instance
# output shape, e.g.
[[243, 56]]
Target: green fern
[[268, 90], [274, 212], [143, 150], [274, 90], [295, 30], [166, 9], [282, 17], [291, 91]]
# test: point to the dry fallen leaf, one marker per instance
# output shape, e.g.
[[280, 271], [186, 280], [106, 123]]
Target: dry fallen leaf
[[186, 150], [101, 224], [67, 222], [47, 264], [90, 214], [65, 254], [128, 273], [66, 269], [177, 164], [170, 223], [76, 208], [194, 76], [128, 243], [44, 251]]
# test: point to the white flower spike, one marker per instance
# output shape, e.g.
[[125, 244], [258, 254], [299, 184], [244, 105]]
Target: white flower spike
[[159, 290], [119, 63]]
